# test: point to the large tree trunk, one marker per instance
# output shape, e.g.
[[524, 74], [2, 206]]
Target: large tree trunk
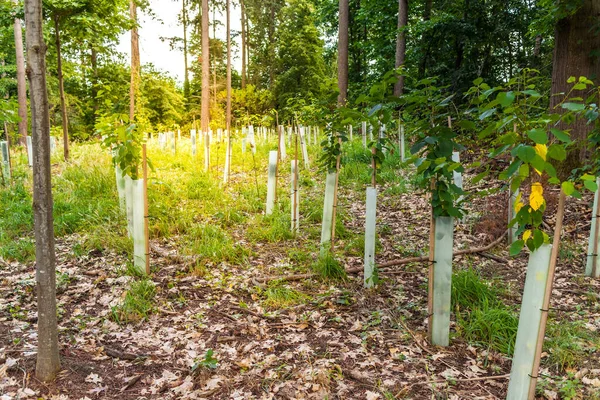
[[243, 44], [21, 86], [401, 43], [205, 113], [135, 60], [48, 361], [186, 77], [342, 63], [61, 88], [576, 44], [214, 59]]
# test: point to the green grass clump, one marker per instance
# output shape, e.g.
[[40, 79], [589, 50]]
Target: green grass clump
[[568, 344], [271, 228], [282, 296], [470, 291], [213, 244], [329, 268], [138, 303]]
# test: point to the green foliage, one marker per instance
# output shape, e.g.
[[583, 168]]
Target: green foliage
[[138, 303], [328, 267], [208, 362], [125, 142]]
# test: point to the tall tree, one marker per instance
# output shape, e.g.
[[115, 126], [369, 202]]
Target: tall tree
[[576, 53], [401, 43], [135, 60], [61, 85], [243, 16], [205, 113], [342, 63], [228, 28], [186, 77], [21, 86], [48, 360]]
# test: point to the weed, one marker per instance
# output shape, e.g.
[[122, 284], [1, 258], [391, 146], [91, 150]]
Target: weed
[[569, 343], [208, 361], [329, 268], [282, 296], [469, 291], [138, 303], [271, 228]]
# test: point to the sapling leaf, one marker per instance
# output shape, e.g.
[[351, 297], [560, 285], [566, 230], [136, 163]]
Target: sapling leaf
[[516, 247], [557, 152], [568, 188], [590, 185], [538, 136], [526, 153], [573, 106]]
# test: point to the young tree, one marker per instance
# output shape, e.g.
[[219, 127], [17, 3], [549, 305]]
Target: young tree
[[135, 60], [61, 85], [21, 87], [205, 113], [343, 51], [48, 361], [401, 43]]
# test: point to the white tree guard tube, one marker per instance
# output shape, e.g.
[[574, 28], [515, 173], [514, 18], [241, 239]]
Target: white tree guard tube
[[364, 134], [442, 281], [129, 204], [350, 132], [120, 188], [294, 197], [193, 141], [591, 257], [370, 132], [304, 149], [52, 144], [178, 134], [271, 183], [227, 158], [457, 176], [316, 134], [327, 211], [29, 151], [5, 159], [172, 139], [529, 323], [289, 135], [512, 212], [401, 143], [243, 145], [206, 151], [283, 154], [370, 226], [139, 231], [219, 135]]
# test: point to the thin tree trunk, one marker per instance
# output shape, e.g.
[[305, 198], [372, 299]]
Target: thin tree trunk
[[342, 63], [247, 48], [48, 360], [228, 124], [205, 112], [214, 58], [61, 88], [135, 60], [186, 77], [21, 86], [243, 13], [401, 43]]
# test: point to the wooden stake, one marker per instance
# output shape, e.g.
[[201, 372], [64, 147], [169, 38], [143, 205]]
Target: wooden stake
[[546, 304], [146, 230], [596, 236]]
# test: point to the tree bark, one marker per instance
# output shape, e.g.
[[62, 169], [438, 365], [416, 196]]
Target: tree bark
[[574, 49], [205, 112], [61, 88], [135, 60], [21, 85], [228, 113], [186, 77], [342, 63], [243, 16], [401, 43], [48, 361]]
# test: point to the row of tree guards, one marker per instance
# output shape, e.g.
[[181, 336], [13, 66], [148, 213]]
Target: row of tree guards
[[5, 156]]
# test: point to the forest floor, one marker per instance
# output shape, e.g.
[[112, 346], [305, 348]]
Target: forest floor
[[207, 324]]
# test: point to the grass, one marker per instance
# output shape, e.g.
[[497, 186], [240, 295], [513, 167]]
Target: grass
[[278, 296], [138, 303], [271, 228], [213, 244], [328, 267]]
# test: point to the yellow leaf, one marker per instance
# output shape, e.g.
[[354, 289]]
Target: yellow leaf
[[542, 150], [526, 234], [518, 203], [536, 198]]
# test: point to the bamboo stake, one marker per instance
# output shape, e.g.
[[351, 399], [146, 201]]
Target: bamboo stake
[[146, 230], [335, 193], [546, 304]]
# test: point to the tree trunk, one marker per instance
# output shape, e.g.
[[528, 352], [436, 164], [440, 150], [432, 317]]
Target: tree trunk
[[214, 59], [205, 112], [401, 43], [228, 27], [135, 60], [342, 63], [574, 55], [243, 13], [21, 86], [48, 361], [186, 77], [61, 88]]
